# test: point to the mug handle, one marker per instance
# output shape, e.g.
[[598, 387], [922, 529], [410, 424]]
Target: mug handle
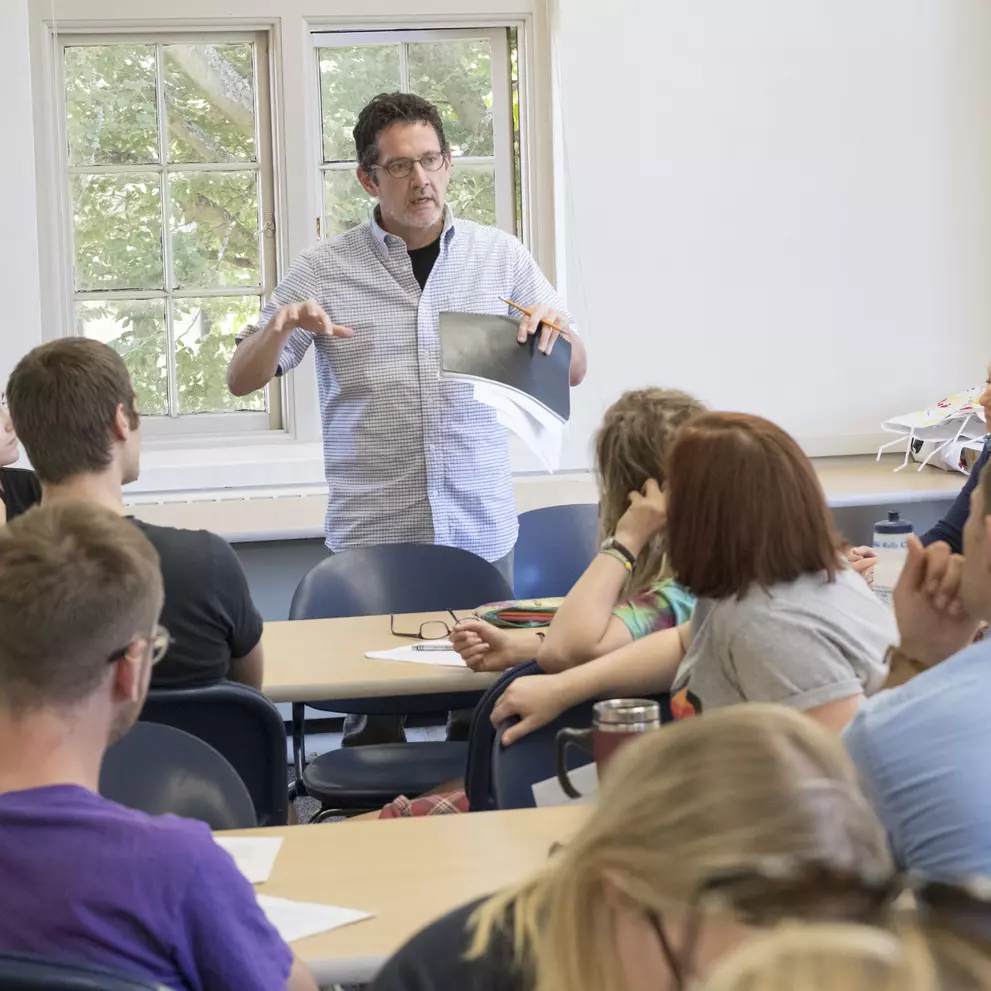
[[565, 738]]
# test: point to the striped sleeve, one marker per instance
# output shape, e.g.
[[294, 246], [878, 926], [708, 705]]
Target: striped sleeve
[[299, 284]]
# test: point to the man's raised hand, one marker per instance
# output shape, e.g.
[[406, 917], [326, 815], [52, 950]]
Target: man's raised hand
[[308, 315]]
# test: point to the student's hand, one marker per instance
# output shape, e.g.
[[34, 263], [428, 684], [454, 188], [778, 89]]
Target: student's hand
[[931, 619], [863, 560], [482, 646], [541, 313], [308, 315], [646, 517], [537, 700]]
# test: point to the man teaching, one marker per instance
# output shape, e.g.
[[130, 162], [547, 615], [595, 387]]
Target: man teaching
[[408, 458]]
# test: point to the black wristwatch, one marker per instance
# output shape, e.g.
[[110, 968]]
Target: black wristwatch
[[612, 544]]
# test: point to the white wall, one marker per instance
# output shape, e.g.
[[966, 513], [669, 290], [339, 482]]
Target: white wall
[[20, 316], [783, 206]]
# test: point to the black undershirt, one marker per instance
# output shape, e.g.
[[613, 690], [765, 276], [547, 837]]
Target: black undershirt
[[19, 490], [423, 260]]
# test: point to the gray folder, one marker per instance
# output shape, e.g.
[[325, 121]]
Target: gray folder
[[483, 347]]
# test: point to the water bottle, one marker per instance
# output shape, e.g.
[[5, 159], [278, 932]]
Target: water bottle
[[891, 548]]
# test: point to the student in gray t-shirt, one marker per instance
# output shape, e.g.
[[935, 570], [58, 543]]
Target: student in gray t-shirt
[[806, 643], [780, 615]]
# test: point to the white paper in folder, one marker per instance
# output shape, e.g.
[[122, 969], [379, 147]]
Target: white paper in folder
[[538, 428]]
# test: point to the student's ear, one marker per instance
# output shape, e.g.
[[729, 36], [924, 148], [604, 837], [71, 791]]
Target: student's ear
[[368, 182], [122, 423], [128, 673]]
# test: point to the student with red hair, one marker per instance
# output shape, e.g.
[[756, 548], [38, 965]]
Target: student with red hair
[[781, 617]]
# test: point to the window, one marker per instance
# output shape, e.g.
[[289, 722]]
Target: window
[[168, 161], [469, 74]]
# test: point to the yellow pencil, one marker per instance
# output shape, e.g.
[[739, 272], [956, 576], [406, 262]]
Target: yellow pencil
[[529, 313]]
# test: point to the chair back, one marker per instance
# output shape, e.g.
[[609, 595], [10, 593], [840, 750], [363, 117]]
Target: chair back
[[244, 727], [516, 769], [555, 546], [397, 578], [160, 769], [482, 738], [33, 972]]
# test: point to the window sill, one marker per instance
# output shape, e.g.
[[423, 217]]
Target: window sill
[[229, 463]]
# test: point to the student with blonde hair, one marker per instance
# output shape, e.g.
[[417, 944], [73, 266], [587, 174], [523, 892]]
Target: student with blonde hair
[[612, 911], [627, 592], [847, 957]]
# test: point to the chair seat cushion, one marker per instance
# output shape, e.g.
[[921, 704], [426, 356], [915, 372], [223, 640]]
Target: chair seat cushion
[[365, 777]]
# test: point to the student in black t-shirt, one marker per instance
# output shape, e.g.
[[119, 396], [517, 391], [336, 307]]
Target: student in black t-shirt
[[19, 488], [613, 909], [74, 408]]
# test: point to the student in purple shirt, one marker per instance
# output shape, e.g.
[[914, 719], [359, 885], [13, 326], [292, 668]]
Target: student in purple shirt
[[82, 878]]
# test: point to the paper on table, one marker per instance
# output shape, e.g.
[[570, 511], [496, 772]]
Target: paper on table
[[538, 428], [550, 792], [297, 920], [254, 856], [444, 658]]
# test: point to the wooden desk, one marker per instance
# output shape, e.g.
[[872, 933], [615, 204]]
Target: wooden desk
[[322, 659], [408, 872]]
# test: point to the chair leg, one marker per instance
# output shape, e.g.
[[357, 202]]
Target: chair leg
[[299, 747]]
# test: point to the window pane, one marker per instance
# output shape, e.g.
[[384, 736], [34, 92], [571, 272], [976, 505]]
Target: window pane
[[111, 113], [214, 229], [472, 193], [135, 329], [210, 103], [457, 77], [345, 203], [349, 78], [118, 231], [204, 335]]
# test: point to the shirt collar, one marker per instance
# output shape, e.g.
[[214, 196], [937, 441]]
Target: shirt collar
[[383, 237]]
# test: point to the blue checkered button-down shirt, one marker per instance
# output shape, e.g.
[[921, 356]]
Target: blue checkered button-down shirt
[[408, 457]]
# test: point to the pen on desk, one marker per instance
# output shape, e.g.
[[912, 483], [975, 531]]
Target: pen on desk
[[529, 313], [433, 646]]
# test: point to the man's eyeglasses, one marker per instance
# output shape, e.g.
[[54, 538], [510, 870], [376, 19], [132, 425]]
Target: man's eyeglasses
[[400, 168], [433, 629], [160, 641]]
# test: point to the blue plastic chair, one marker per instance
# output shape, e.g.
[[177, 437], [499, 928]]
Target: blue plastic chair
[[555, 546], [243, 726], [374, 581], [481, 740], [159, 769], [34, 972]]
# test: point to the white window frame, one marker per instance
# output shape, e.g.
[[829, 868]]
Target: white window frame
[[291, 457], [175, 425], [502, 107]]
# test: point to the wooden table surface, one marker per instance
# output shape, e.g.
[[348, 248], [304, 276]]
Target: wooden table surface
[[316, 660], [273, 515], [407, 872]]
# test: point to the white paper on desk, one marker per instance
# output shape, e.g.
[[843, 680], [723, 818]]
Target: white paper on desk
[[297, 920], [549, 792], [254, 856], [444, 658], [536, 426]]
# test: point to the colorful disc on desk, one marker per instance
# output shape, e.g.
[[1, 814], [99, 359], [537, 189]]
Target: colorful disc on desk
[[521, 614]]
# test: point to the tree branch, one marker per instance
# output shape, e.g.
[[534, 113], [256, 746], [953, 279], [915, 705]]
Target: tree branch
[[226, 89]]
